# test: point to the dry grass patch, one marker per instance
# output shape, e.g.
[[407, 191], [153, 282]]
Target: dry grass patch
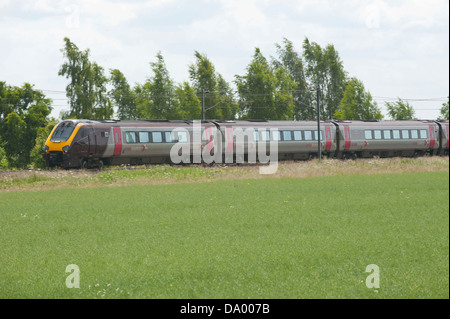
[[166, 174]]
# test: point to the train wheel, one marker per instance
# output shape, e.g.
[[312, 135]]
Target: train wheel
[[84, 164], [100, 164]]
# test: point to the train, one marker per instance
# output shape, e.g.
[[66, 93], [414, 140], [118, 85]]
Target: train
[[94, 143]]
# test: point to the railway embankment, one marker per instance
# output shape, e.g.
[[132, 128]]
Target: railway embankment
[[35, 180]]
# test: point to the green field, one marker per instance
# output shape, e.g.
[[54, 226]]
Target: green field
[[254, 238]]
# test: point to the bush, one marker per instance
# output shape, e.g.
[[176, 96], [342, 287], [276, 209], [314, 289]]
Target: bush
[[36, 159], [3, 160]]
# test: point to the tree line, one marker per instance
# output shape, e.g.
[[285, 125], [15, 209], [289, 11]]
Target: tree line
[[285, 87]]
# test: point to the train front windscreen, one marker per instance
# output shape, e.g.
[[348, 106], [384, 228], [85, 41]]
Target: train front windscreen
[[62, 132]]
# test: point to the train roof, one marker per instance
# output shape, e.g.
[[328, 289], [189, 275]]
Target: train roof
[[386, 123], [248, 123]]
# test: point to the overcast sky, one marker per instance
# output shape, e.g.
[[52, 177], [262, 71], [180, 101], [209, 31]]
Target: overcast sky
[[398, 48]]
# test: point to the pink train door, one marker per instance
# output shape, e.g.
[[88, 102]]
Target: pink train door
[[432, 137], [328, 138], [230, 146], [117, 141], [348, 140]]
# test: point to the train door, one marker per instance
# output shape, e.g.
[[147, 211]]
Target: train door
[[347, 138], [117, 141], [432, 137], [328, 138], [92, 142]]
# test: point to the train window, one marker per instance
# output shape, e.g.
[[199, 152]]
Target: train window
[[62, 132], [265, 136], [396, 134], [423, 134], [157, 137], [414, 134], [130, 137], [104, 134], [377, 134], [387, 134], [287, 135], [168, 137], [276, 136], [297, 135], [182, 137], [368, 135], [144, 137], [405, 134], [315, 135], [308, 135], [256, 136]]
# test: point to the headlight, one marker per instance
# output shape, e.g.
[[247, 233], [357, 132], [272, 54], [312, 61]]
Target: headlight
[[66, 148], [45, 148]]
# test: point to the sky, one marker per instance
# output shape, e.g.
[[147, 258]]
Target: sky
[[397, 48]]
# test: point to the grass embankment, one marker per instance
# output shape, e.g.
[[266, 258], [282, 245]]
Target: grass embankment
[[253, 238], [164, 174]]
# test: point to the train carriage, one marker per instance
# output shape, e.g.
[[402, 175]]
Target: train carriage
[[295, 140], [388, 138]]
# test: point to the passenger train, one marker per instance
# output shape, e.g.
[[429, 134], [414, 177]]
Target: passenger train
[[94, 143]]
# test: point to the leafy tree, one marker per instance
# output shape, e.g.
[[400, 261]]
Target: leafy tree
[[188, 104], [219, 98], [302, 95], [264, 91], [161, 91], [13, 132], [357, 104], [324, 70], [142, 100], [24, 111], [3, 159], [87, 88], [400, 110], [36, 159], [444, 112], [122, 96]]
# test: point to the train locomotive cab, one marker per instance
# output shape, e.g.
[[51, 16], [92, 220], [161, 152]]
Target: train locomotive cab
[[68, 145], [59, 142]]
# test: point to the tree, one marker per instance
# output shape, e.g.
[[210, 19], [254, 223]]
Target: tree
[[400, 110], [142, 99], [161, 91], [444, 112], [3, 159], [87, 88], [23, 111], [122, 96], [13, 132], [293, 63], [36, 159], [357, 104], [324, 70], [189, 106], [264, 91], [218, 97]]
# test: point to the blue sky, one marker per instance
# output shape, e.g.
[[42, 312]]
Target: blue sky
[[398, 48]]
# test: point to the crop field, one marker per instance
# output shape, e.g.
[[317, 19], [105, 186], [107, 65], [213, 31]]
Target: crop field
[[299, 235]]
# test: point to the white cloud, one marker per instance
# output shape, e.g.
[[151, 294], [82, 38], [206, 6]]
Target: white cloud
[[395, 47]]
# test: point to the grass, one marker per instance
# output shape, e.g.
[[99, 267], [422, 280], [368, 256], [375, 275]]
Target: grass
[[252, 238], [165, 174]]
